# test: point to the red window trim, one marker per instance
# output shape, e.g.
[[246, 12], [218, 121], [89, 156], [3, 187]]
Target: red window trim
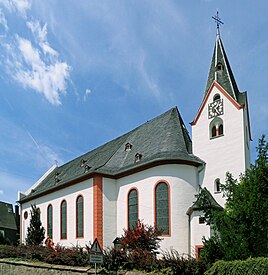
[[133, 188], [169, 216], [51, 220], [61, 220], [76, 222]]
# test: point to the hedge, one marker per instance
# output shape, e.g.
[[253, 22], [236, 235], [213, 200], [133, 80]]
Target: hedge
[[252, 266]]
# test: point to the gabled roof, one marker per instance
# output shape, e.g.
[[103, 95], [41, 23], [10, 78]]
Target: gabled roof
[[225, 76], [158, 141], [211, 202], [7, 216]]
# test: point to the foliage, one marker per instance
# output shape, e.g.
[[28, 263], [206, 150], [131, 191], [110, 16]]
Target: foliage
[[138, 249], [241, 228], [4, 240], [182, 264], [253, 266], [73, 256], [35, 231], [144, 237]]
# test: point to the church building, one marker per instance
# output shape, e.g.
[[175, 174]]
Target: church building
[[152, 173]]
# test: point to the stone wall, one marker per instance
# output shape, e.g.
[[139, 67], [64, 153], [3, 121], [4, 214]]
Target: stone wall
[[9, 267]]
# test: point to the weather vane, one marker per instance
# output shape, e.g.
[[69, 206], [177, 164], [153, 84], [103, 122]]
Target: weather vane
[[218, 21]]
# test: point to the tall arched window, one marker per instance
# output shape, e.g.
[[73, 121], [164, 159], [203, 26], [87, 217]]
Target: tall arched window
[[132, 208], [79, 217], [216, 127], [50, 221], [63, 220], [162, 207]]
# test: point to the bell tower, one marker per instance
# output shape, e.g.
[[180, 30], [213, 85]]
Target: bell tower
[[221, 128]]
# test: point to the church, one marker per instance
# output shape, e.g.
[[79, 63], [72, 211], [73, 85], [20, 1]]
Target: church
[[152, 173]]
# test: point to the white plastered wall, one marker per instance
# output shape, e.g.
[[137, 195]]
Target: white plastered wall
[[222, 154], [69, 194], [183, 187], [109, 212]]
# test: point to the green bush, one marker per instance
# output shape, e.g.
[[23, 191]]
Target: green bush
[[182, 264], [252, 266]]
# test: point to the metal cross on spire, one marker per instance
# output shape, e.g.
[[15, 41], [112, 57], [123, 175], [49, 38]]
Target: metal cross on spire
[[218, 21]]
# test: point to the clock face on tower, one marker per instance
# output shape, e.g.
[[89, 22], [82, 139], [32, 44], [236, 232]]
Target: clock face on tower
[[215, 108]]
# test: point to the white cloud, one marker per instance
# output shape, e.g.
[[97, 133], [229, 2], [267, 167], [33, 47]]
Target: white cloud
[[20, 6], [3, 20], [40, 34], [45, 75], [87, 93], [1, 192], [33, 63]]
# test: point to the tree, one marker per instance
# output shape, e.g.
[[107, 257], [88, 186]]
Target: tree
[[241, 229], [35, 231]]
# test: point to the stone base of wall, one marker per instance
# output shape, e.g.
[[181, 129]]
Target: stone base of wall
[[10, 267]]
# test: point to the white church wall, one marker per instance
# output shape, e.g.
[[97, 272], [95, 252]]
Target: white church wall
[[198, 231], [183, 186], [221, 154], [55, 198], [109, 211]]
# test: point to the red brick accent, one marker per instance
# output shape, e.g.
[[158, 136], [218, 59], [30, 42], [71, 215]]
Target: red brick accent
[[98, 209]]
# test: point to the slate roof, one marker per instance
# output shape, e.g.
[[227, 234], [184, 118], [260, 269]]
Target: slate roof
[[7, 216], [161, 140], [224, 77], [211, 202]]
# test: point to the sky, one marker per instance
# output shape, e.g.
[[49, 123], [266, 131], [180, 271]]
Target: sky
[[75, 74]]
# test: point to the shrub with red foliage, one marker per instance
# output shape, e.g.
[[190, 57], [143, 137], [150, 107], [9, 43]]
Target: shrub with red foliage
[[142, 237]]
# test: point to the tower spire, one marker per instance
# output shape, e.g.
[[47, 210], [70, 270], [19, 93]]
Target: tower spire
[[218, 22]]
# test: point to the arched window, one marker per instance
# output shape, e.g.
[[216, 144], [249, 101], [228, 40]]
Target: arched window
[[63, 220], [50, 221], [133, 214], [219, 67], [220, 129], [216, 127], [79, 217], [217, 186], [162, 207], [213, 131]]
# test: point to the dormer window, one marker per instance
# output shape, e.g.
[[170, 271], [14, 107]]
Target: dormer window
[[128, 147], [138, 157], [219, 67], [87, 167], [83, 162], [57, 177]]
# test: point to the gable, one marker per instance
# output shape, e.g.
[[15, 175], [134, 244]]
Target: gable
[[221, 91]]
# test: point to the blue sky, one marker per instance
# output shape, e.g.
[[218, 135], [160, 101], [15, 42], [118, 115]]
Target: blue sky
[[76, 74]]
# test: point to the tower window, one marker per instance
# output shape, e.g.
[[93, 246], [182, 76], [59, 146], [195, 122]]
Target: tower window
[[217, 186], [219, 67], [216, 128], [216, 97]]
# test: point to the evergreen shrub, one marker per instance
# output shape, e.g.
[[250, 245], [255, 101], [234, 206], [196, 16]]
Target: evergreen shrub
[[252, 266]]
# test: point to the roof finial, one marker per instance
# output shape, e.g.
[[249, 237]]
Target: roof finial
[[218, 21]]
